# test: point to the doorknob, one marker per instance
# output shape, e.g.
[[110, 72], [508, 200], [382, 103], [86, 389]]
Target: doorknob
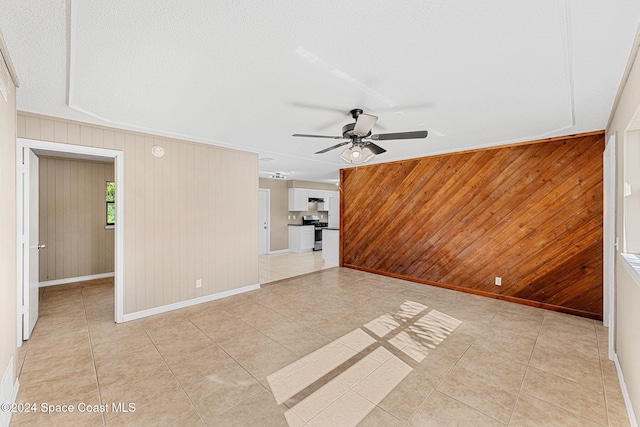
[[41, 246]]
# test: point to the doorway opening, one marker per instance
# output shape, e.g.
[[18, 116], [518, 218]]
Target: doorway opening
[[28, 238]]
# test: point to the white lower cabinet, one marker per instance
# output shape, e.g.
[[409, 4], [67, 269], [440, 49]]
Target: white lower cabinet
[[301, 238]]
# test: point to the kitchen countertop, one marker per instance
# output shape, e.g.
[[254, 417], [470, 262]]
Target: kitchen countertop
[[331, 229]]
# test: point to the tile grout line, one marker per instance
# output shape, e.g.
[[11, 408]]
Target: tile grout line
[[173, 374], [435, 388], [604, 390], [525, 371], [93, 358], [230, 356]]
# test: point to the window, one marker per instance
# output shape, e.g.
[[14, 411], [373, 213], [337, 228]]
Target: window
[[111, 202]]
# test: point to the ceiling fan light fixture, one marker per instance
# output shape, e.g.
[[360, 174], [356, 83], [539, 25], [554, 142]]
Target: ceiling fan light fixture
[[357, 155]]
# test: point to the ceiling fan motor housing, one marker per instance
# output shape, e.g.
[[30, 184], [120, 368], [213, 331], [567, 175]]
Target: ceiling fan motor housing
[[347, 131]]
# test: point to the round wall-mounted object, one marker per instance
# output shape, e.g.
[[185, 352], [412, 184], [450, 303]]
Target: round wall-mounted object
[[157, 151]]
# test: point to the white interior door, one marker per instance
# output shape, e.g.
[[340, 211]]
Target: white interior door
[[263, 220], [31, 244], [609, 243]]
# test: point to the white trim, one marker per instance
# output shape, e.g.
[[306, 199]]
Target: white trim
[[609, 237], [7, 60], [19, 261], [188, 303], [631, 263], [268, 191], [8, 393], [118, 160], [119, 238], [281, 251], [633, 421], [76, 279]]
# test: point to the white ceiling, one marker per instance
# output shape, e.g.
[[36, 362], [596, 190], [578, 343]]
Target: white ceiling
[[248, 74]]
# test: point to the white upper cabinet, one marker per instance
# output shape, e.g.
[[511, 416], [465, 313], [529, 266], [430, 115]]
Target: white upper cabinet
[[298, 199]]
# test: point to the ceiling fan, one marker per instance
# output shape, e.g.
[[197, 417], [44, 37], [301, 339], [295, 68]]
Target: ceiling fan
[[359, 135]]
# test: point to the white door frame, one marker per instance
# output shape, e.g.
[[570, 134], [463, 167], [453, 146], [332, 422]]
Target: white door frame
[[75, 151], [29, 222], [268, 191], [609, 240]]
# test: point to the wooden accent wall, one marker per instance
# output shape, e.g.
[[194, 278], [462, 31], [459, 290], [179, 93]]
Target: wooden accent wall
[[530, 214], [73, 219]]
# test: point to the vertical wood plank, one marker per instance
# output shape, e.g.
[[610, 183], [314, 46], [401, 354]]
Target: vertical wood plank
[[51, 219], [86, 135], [46, 130], [84, 243], [182, 200], [66, 212], [43, 215], [141, 221], [21, 126], [32, 126], [109, 139], [74, 205], [132, 236], [97, 139], [73, 134], [59, 229], [60, 132]]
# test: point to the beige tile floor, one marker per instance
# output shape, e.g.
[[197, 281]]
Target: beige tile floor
[[280, 266], [333, 348]]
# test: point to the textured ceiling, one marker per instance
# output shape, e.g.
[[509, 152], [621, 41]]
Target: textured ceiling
[[248, 74]]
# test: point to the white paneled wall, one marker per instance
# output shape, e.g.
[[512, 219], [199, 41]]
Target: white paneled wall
[[73, 219], [192, 214]]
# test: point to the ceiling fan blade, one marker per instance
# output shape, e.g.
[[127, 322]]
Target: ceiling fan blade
[[400, 135], [375, 149], [304, 135], [333, 147], [331, 124], [397, 108], [364, 123], [318, 107]]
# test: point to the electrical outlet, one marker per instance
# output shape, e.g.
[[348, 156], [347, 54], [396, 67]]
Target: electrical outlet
[[294, 217], [288, 217], [321, 216], [198, 283], [498, 281]]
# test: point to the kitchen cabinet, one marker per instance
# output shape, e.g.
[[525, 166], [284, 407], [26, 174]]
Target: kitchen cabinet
[[298, 199], [301, 238], [331, 246], [319, 194], [333, 210]]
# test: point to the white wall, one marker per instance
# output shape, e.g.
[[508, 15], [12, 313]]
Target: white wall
[[8, 266], [627, 288]]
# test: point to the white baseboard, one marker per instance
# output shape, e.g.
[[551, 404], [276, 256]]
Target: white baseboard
[[280, 251], [188, 303], [625, 393], [8, 393], [76, 279]]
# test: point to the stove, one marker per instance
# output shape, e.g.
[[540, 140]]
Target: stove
[[318, 226]]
